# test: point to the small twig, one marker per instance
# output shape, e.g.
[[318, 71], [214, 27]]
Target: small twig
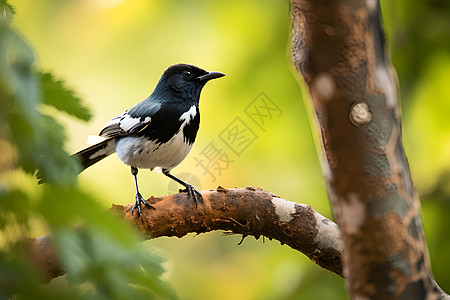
[[243, 237]]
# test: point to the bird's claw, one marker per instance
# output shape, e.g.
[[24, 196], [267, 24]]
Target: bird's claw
[[192, 193], [137, 204]]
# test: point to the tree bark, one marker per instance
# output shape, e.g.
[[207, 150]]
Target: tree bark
[[339, 48], [248, 211]]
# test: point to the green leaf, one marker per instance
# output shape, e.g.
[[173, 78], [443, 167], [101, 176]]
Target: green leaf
[[18, 87], [39, 144], [6, 11], [58, 95], [14, 208], [105, 252], [116, 270], [19, 280]]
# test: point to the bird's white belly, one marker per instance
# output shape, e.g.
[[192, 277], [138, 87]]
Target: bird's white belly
[[142, 153]]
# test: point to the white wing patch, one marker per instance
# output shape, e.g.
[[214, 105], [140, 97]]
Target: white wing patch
[[127, 123], [124, 124], [189, 115]]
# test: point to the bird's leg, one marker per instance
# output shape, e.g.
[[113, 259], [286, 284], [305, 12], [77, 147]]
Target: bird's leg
[[138, 199], [189, 189]]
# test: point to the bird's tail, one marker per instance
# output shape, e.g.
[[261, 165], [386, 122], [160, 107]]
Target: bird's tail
[[90, 155]]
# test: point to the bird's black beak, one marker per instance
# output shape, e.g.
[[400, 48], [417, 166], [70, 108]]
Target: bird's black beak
[[210, 75]]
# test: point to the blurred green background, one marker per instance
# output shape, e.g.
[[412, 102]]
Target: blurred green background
[[112, 53]]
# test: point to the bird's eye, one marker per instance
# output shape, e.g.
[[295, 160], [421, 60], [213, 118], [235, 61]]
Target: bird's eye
[[187, 74]]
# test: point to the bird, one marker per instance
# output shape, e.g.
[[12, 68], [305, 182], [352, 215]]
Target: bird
[[158, 132]]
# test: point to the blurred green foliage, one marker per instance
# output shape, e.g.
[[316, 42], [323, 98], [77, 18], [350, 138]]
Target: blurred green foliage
[[55, 94], [105, 259], [112, 53]]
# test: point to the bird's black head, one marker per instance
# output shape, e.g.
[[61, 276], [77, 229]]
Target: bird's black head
[[182, 82]]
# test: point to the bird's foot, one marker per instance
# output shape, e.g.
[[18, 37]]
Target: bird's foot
[[137, 204], [192, 193]]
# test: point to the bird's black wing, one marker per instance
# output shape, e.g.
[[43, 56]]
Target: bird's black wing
[[130, 121], [124, 124]]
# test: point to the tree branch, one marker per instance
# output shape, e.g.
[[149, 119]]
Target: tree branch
[[248, 211]]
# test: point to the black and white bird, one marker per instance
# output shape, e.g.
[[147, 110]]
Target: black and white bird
[[157, 132]]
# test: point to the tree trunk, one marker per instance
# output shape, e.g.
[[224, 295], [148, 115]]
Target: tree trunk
[[339, 48]]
